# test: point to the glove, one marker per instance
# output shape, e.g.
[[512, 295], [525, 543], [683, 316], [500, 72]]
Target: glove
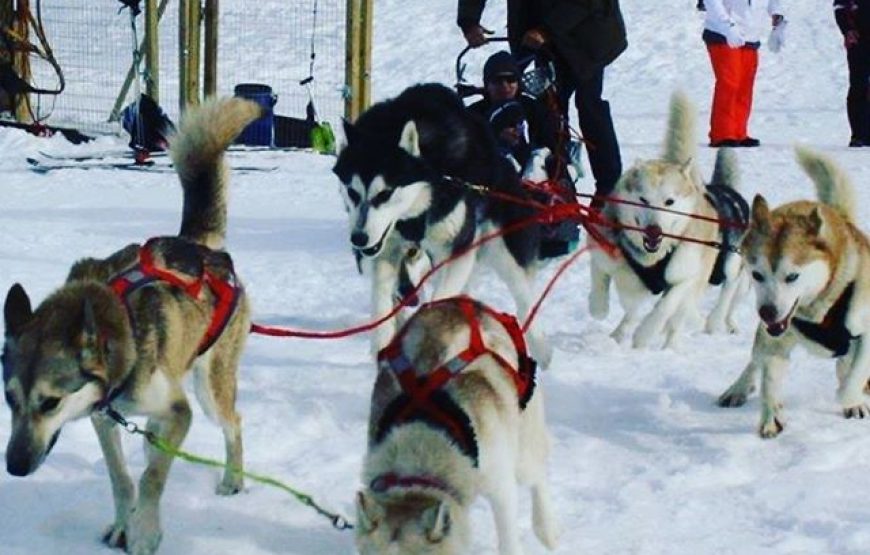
[[734, 37], [777, 37]]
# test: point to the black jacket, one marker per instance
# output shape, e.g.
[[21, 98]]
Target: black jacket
[[586, 34], [853, 15], [542, 129]]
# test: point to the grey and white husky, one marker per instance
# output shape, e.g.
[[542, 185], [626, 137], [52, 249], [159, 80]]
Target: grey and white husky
[[443, 430], [113, 334], [651, 265], [404, 173]]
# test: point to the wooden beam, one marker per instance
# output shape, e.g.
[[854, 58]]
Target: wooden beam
[[21, 61], [152, 48], [183, 52], [353, 30], [365, 52], [193, 47], [212, 11]]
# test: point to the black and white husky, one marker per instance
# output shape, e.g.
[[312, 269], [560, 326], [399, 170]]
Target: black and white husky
[[405, 172]]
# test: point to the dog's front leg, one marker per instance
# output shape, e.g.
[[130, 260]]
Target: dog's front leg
[[720, 319], [143, 525], [773, 369], [662, 312], [123, 490], [505, 507], [851, 390], [385, 280], [599, 294]]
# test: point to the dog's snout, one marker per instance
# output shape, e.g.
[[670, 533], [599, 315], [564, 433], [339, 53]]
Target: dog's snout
[[359, 239], [767, 313], [18, 462]]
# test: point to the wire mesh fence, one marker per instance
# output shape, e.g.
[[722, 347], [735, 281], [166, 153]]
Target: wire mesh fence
[[278, 43]]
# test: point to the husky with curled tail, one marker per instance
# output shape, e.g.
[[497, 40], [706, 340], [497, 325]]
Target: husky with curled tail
[[455, 414], [650, 264], [122, 332], [810, 264]]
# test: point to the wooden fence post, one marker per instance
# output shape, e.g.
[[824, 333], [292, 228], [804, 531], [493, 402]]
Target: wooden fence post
[[152, 48], [358, 57], [193, 48], [212, 11]]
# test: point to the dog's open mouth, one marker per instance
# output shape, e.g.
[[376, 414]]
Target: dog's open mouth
[[373, 250], [778, 328], [652, 238]]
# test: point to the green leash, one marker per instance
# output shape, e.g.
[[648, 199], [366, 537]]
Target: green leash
[[338, 521]]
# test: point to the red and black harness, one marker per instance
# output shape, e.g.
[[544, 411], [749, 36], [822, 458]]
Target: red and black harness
[[423, 397], [182, 257]]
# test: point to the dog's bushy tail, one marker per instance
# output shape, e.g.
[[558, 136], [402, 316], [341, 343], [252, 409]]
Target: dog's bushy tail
[[832, 185], [680, 142], [725, 171], [197, 152]]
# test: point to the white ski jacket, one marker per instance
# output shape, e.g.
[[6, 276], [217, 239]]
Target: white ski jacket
[[744, 15]]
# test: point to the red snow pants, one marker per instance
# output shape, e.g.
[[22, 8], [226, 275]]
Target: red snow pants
[[734, 70]]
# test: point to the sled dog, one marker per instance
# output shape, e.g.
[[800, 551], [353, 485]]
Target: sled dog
[[454, 414], [810, 264], [123, 331], [405, 172], [649, 264]]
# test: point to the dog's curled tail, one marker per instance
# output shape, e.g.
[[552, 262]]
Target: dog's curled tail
[[832, 185], [725, 172], [197, 152], [680, 146]]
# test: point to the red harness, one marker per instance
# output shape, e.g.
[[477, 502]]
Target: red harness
[[424, 398], [226, 291]]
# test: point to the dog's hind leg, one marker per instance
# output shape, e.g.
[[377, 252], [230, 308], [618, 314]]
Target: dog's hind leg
[[123, 490], [851, 390], [216, 390], [535, 440]]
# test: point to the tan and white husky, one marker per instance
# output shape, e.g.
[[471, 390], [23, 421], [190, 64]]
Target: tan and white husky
[[445, 427], [650, 264], [126, 329], [811, 268]]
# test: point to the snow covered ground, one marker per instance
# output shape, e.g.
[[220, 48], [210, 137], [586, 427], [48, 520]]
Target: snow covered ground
[[643, 461]]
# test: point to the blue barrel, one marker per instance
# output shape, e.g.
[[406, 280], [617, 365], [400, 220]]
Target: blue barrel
[[260, 132]]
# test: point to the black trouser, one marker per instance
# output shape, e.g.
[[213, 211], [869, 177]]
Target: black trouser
[[596, 125], [858, 98]]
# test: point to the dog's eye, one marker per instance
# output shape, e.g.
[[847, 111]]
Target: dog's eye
[[669, 202], [353, 196], [382, 197], [49, 404], [757, 276], [791, 278], [643, 200]]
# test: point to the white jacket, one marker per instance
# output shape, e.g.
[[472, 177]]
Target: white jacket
[[745, 15]]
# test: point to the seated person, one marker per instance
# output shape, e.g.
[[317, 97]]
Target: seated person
[[526, 134]]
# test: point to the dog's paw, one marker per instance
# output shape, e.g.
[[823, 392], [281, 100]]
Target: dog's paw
[[735, 396], [642, 337], [857, 411], [143, 532], [732, 327], [619, 335], [771, 427], [115, 536], [230, 485]]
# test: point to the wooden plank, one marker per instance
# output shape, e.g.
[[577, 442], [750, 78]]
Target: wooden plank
[[212, 11], [351, 60], [152, 48]]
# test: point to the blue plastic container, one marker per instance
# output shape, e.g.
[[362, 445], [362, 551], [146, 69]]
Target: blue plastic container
[[260, 132]]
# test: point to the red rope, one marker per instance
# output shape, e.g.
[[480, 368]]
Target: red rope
[[561, 270]]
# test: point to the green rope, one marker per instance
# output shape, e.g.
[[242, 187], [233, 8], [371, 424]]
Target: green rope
[[338, 521]]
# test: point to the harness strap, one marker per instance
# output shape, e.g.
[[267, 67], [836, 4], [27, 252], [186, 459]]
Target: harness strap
[[226, 292]]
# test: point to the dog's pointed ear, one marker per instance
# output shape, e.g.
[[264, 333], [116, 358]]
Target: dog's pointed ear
[[436, 521], [760, 214], [91, 357], [686, 167], [349, 134], [817, 222], [410, 139], [17, 310], [368, 513]]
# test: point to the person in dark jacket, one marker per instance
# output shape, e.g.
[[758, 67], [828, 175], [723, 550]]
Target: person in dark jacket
[[519, 121], [853, 19], [583, 37]]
